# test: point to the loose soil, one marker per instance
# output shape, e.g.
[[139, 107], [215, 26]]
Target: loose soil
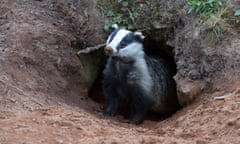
[[42, 101]]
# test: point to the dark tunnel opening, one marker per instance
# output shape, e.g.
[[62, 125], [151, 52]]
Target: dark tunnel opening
[[152, 48], [161, 50]]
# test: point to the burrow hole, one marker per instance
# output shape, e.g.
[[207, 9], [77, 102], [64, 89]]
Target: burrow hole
[[156, 48]]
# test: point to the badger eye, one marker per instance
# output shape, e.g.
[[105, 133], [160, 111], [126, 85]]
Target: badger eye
[[128, 39], [122, 45]]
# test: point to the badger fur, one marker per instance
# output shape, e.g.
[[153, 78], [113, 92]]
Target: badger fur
[[130, 75]]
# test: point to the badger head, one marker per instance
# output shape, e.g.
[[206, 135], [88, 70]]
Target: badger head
[[124, 44]]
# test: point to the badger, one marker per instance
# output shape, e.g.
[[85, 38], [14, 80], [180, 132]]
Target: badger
[[131, 75]]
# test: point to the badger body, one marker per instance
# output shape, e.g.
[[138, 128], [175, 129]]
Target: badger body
[[130, 75]]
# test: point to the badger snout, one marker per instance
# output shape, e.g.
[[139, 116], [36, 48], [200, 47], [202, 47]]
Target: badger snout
[[108, 50]]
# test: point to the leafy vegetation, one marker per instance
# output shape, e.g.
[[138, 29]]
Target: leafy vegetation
[[205, 7], [217, 25], [216, 16], [237, 12], [120, 12]]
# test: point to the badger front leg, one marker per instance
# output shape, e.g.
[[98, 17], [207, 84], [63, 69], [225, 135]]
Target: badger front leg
[[112, 102], [112, 96], [140, 104]]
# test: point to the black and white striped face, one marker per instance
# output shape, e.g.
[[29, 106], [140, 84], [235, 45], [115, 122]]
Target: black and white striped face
[[124, 43]]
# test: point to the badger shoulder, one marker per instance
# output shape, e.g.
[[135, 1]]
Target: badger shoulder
[[159, 66]]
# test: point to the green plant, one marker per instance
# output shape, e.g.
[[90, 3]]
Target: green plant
[[216, 25], [237, 12], [204, 7], [120, 12]]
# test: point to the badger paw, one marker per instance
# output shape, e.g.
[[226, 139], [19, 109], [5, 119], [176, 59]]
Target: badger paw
[[136, 119], [109, 112]]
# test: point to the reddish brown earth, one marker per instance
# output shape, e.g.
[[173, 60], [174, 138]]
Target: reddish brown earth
[[208, 121], [41, 100]]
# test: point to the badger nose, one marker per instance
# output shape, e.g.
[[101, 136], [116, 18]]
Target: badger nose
[[108, 50]]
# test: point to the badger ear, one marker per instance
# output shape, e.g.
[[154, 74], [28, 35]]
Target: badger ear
[[115, 26], [139, 35]]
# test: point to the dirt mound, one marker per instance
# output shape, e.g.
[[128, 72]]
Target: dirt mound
[[38, 65], [42, 101]]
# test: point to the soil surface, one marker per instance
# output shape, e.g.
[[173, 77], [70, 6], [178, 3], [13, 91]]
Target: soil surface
[[42, 101]]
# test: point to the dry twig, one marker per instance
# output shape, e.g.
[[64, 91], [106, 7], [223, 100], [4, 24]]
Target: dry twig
[[90, 49], [223, 97]]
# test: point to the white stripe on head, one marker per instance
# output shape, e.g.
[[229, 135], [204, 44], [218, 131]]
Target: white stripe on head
[[117, 39]]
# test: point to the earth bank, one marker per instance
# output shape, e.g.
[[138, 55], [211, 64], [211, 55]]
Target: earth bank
[[43, 84]]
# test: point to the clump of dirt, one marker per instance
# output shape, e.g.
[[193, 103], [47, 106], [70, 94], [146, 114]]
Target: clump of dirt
[[42, 99]]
